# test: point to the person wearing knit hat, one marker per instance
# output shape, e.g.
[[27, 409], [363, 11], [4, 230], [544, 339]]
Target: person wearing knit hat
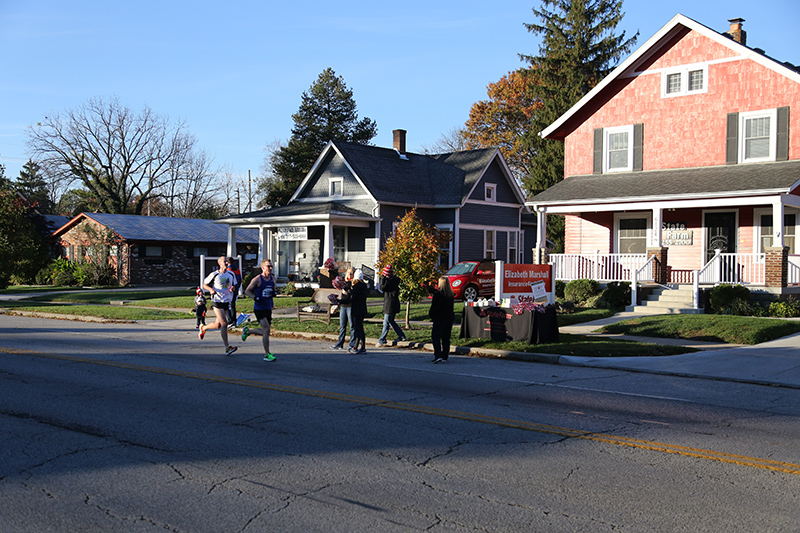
[[390, 287], [357, 299]]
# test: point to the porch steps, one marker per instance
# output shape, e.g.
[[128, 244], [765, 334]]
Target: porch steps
[[666, 299]]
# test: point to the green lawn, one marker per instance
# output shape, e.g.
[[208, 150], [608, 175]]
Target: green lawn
[[716, 328]]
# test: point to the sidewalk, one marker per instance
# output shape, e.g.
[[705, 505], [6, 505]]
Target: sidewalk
[[774, 363]]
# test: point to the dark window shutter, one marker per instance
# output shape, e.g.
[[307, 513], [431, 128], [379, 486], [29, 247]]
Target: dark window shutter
[[638, 141], [732, 140], [597, 166], [782, 144]]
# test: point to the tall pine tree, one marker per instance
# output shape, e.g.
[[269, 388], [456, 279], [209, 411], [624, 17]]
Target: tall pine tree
[[327, 112], [579, 48], [32, 185]]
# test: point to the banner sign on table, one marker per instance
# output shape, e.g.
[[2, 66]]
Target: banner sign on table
[[293, 233]]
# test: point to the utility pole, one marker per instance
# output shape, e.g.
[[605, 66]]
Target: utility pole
[[249, 193]]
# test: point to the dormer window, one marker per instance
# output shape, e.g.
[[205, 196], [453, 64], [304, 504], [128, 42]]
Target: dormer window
[[335, 186], [490, 192], [681, 81]]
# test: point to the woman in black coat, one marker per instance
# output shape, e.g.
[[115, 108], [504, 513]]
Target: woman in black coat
[[358, 309], [442, 315]]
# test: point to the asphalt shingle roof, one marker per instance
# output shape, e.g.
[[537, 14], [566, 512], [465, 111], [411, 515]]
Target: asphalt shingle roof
[[675, 184], [443, 179], [143, 228]]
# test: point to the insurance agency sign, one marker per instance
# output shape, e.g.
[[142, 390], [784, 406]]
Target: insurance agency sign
[[524, 283]]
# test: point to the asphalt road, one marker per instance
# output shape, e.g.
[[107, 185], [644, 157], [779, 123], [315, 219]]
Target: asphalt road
[[142, 427]]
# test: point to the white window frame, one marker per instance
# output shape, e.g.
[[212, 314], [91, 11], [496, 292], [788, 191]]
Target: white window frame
[[331, 183], [490, 192], [772, 114], [632, 215], [607, 132], [515, 258], [451, 244], [757, 232], [684, 72], [487, 251]]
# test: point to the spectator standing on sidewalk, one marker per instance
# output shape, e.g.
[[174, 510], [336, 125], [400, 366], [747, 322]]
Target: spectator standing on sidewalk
[[345, 312], [358, 305], [441, 313], [390, 286], [220, 284], [262, 290]]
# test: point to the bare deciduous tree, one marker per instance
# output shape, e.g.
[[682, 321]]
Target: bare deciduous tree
[[121, 157]]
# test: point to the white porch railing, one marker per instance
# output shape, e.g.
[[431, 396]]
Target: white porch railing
[[794, 270], [597, 266], [643, 273], [734, 269]]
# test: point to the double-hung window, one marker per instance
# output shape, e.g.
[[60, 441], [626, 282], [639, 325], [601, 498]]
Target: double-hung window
[[789, 231], [618, 153], [489, 244], [758, 136]]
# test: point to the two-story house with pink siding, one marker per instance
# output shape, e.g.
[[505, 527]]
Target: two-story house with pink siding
[[683, 167]]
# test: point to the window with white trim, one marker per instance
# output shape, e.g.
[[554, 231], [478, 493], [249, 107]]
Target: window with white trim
[[631, 232], [684, 80], [766, 231], [489, 243], [335, 186], [513, 250], [618, 149], [490, 192], [758, 136]]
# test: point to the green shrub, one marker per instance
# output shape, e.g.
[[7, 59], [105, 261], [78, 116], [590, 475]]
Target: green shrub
[[560, 284], [95, 274], [303, 292], [581, 290], [724, 297], [616, 294], [743, 308], [786, 309], [565, 307], [64, 272], [44, 276], [288, 289]]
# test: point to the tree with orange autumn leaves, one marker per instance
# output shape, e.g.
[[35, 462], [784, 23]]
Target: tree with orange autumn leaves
[[414, 252], [505, 119]]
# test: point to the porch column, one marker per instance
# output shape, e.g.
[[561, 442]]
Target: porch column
[[776, 265], [660, 268], [263, 243], [777, 224], [232, 242], [655, 234], [327, 248], [540, 253]]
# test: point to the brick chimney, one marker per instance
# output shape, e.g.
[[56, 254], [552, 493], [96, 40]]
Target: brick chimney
[[736, 32], [400, 140]]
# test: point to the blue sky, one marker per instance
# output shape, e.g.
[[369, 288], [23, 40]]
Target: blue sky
[[235, 71]]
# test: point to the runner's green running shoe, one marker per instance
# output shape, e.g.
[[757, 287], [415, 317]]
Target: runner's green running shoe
[[269, 357], [245, 333], [230, 349]]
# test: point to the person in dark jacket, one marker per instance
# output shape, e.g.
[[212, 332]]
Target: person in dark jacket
[[345, 315], [441, 313], [357, 298], [390, 286]]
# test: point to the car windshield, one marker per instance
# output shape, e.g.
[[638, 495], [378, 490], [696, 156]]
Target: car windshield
[[459, 269]]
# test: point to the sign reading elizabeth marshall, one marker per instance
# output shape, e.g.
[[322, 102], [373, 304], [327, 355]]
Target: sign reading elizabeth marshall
[[675, 234], [295, 233]]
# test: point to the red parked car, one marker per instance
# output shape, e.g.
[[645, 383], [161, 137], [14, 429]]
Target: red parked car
[[471, 280]]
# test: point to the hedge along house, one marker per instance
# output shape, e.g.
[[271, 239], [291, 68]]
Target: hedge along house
[[683, 167], [351, 199], [151, 250]]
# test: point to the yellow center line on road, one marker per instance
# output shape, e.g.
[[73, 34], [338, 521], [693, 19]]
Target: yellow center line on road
[[699, 453]]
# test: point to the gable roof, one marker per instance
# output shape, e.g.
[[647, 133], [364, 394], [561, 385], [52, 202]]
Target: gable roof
[[680, 184], [143, 228], [559, 128], [442, 180]]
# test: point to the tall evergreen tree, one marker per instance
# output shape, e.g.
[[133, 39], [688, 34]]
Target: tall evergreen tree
[[579, 48], [327, 112], [32, 185]]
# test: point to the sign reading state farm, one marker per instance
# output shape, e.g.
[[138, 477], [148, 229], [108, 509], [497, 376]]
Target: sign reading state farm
[[518, 281], [675, 234]]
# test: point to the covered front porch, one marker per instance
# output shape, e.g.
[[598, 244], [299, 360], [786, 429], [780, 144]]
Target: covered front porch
[[696, 242], [300, 237]]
